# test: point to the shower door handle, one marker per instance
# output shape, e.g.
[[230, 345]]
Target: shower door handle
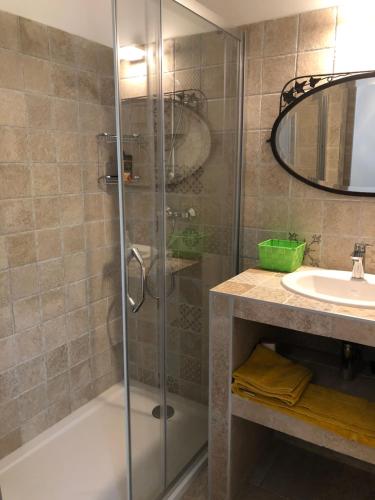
[[134, 253]]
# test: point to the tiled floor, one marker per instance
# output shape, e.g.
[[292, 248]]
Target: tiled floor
[[294, 473]]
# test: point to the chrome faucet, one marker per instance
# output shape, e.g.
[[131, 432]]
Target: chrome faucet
[[358, 259]]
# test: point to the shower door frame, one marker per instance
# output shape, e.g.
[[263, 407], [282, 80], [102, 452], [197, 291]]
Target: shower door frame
[[162, 246]]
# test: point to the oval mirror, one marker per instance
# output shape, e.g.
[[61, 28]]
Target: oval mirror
[[325, 135], [187, 141]]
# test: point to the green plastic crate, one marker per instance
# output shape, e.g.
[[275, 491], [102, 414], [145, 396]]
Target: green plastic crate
[[281, 255], [187, 244]]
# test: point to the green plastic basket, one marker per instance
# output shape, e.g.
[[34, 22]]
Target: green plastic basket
[[281, 255], [187, 244]]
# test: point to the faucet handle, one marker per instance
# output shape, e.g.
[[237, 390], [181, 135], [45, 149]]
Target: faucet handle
[[360, 249]]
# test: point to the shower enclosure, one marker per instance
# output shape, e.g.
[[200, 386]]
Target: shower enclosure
[[178, 150], [104, 388]]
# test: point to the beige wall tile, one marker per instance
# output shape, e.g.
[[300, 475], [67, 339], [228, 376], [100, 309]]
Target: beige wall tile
[[15, 181], [315, 62], [73, 239], [37, 74], [13, 142], [31, 373], [88, 88], [8, 417], [94, 234], [9, 32], [272, 213], [10, 442], [7, 353], [42, 145], [77, 323], [76, 295], [12, 107], [54, 333], [21, 249], [39, 113], [252, 112], [276, 72], [3, 254], [26, 313], [62, 46], [79, 350], [53, 303], [45, 179], [306, 215], [6, 321], [317, 29], [367, 218], [24, 281], [67, 147], [4, 288], [90, 117], [336, 252], [12, 78], [33, 427], [34, 38], [51, 274], [85, 53], [64, 81], [70, 178], [254, 76], [80, 375], [47, 212], [8, 386], [104, 60], [65, 114], [15, 216], [57, 361], [72, 210], [75, 267], [29, 344], [48, 243], [341, 218], [273, 180], [255, 40], [281, 36], [107, 91], [93, 207], [269, 110]]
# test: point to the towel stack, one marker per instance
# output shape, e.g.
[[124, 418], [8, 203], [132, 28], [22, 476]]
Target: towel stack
[[270, 379]]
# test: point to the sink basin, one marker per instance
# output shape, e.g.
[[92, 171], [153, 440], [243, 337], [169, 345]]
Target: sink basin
[[333, 286]]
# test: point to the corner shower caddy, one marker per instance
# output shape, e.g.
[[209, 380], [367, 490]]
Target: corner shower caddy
[[195, 99]]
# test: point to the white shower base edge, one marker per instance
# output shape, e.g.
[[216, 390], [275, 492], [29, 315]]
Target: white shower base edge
[[82, 457]]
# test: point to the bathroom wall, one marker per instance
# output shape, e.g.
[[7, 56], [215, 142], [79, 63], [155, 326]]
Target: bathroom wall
[[59, 257], [190, 62], [274, 203]]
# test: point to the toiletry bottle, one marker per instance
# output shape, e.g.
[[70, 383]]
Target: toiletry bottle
[[127, 167]]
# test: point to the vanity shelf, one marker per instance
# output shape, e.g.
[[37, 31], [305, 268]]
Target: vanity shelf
[[267, 417]]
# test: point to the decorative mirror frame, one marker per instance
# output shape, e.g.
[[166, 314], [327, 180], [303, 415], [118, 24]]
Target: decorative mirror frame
[[296, 90]]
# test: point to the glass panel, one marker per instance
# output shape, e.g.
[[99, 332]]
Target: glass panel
[[139, 27], [200, 77]]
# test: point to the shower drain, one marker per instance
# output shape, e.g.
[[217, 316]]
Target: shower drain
[[156, 412]]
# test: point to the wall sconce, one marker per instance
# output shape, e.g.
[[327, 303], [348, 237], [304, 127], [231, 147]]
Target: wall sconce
[[131, 53]]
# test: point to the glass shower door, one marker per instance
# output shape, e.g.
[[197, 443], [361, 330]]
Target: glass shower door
[[178, 157], [201, 92], [142, 189]]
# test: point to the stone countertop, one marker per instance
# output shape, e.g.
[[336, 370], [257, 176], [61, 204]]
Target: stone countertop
[[258, 295]]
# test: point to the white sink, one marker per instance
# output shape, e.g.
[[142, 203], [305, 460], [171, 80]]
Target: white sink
[[333, 286]]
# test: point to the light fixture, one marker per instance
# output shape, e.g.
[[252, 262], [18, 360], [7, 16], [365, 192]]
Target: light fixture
[[131, 53]]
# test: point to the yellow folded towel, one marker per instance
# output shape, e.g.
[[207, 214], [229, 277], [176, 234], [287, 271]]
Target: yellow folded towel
[[348, 416], [268, 375]]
